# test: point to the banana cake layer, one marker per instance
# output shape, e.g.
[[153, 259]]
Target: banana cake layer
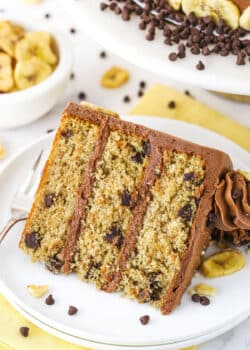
[[124, 206]]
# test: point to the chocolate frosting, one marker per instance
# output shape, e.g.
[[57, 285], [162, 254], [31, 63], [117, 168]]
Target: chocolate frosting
[[232, 208]]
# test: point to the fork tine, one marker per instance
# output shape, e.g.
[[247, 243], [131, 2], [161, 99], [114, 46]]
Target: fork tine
[[32, 177]]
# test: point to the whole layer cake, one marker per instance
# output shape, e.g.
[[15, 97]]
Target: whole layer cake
[[125, 207]]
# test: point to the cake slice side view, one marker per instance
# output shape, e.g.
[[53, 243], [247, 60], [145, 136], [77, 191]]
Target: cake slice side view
[[135, 206]]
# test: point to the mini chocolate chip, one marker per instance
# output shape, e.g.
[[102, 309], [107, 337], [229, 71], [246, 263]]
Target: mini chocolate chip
[[32, 240], [126, 198], [142, 83], [200, 65], [185, 212], [50, 300], [236, 193], [138, 157], [72, 30], [171, 104], [173, 56], [67, 133], [144, 319], [49, 131], [82, 95], [204, 301], [72, 76], [103, 6], [196, 298], [49, 199], [24, 331], [47, 15], [102, 54], [140, 93], [72, 310], [126, 99], [189, 176]]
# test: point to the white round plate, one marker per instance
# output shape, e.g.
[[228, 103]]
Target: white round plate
[[100, 346], [108, 318], [126, 40]]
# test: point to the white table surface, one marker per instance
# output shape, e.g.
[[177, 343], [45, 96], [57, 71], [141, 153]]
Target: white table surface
[[88, 68]]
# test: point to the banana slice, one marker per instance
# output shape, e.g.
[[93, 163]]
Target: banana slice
[[9, 36], [176, 4], [245, 19], [36, 44], [6, 73], [31, 72], [217, 9], [114, 78], [8, 28], [224, 263], [203, 289]]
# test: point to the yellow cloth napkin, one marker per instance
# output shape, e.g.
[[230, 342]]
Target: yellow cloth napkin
[[155, 103]]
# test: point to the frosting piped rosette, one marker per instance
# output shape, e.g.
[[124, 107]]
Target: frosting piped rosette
[[232, 208]]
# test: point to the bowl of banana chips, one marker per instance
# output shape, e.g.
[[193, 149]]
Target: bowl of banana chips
[[35, 68]]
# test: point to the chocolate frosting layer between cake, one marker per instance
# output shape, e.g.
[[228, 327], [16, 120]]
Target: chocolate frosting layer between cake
[[232, 208]]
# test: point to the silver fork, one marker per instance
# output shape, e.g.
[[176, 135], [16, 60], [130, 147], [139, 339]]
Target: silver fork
[[22, 200]]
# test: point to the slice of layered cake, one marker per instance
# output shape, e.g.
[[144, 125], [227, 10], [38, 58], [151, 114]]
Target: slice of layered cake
[[123, 206]]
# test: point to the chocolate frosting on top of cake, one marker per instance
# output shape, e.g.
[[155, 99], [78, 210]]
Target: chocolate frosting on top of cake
[[232, 207]]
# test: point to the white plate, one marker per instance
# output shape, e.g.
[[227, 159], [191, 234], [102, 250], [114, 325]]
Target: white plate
[[127, 41], [99, 346], [108, 318]]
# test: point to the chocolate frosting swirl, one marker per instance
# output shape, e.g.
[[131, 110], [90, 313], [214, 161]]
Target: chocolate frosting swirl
[[232, 208]]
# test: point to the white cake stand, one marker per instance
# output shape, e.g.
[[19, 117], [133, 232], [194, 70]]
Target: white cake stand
[[126, 40]]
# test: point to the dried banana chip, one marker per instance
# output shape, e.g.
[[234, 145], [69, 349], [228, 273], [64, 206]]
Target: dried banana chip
[[10, 34], [114, 78], [10, 28], [36, 44], [6, 73], [203, 289], [224, 263], [245, 19], [37, 290], [31, 72], [217, 9]]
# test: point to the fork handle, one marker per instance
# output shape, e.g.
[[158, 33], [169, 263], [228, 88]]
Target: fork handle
[[12, 221]]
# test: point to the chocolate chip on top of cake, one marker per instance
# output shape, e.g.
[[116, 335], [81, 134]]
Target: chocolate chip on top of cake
[[124, 206]]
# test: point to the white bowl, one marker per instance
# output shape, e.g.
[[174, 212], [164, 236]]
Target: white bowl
[[22, 107]]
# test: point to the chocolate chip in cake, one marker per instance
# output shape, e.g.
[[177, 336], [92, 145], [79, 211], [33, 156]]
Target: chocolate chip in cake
[[92, 266], [138, 157], [196, 298], [236, 193], [67, 133], [115, 237], [200, 65], [204, 301], [144, 319], [146, 148], [72, 310], [32, 240], [185, 212], [53, 264], [171, 104], [49, 199], [189, 176], [24, 331], [50, 300], [82, 96], [126, 198]]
